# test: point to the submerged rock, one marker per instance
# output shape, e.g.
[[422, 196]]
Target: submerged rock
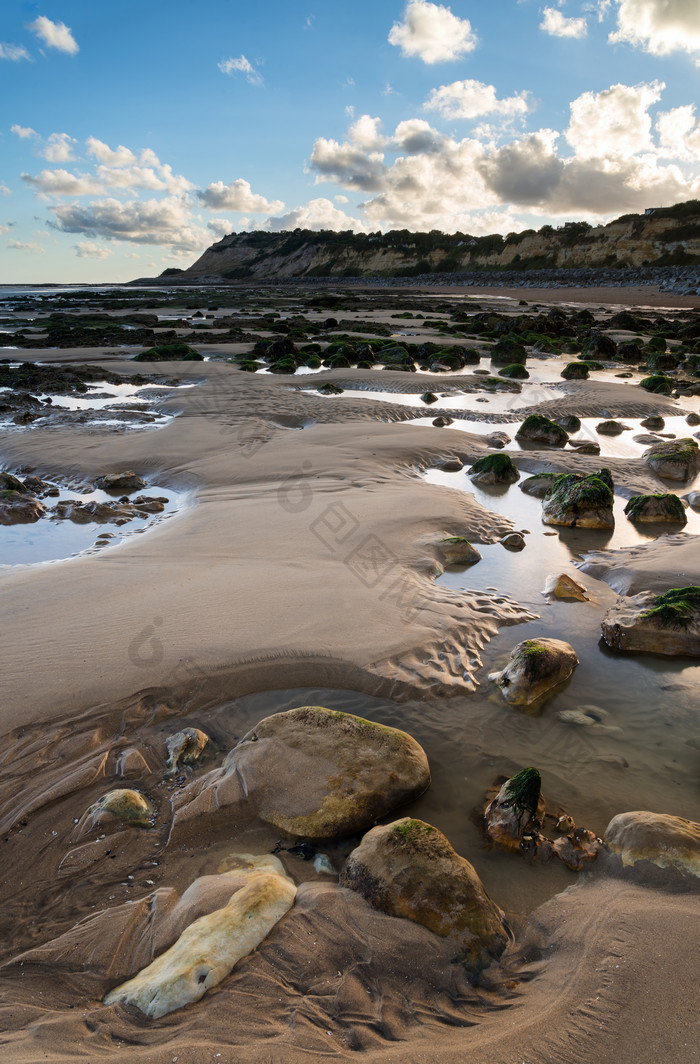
[[457, 550], [539, 429], [409, 869], [313, 773], [666, 841], [534, 668], [208, 949], [577, 501], [675, 460], [494, 469], [184, 748], [646, 509], [658, 624]]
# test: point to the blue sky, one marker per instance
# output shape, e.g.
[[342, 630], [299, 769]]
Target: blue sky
[[134, 135]]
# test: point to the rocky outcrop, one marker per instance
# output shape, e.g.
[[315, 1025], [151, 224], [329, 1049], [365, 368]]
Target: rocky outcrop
[[313, 773], [666, 841], [409, 869], [19, 508], [577, 501], [535, 667], [658, 624]]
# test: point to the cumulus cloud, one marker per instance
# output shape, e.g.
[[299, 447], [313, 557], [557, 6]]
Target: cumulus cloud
[[23, 132], [54, 34], [613, 122], [558, 25], [317, 214], [220, 227], [526, 171], [120, 156], [432, 32], [62, 183], [165, 221], [243, 66], [58, 148], [32, 249], [469, 99], [13, 52], [679, 133], [238, 196], [659, 26], [88, 249], [348, 164]]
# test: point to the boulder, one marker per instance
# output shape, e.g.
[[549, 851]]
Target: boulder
[[121, 482], [569, 422], [451, 465], [562, 586], [575, 371], [313, 773], [125, 804], [408, 869], [655, 423], [18, 508], [666, 841], [457, 550], [494, 469], [674, 460], [535, 667], [497, 439], [442, 421], [207, 950], [585, 446], [539, 429], [507, 352], [666, 624], [429, 397], [539, 484], [577, 501], [517, 808], [87, 513], [611, 428], [646, 509], [184, 748], [514, 541], [8, 482]]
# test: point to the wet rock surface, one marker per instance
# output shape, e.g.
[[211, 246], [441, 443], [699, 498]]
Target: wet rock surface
[[536, 666], [666, 841]]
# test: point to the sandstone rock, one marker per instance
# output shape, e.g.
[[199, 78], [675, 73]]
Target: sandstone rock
[[208, 949], [562, 586], [497, 439], [666, 841], [569, 422], [658, 624], [409, 869], [184, 748], [121, 482], [675, 460], [456, 550], [535, 667], [577, 501], [538, 429], [585, 446], [693, 500], [451, 465], [150, 504], [655, 423], [124, 803], [313, 773], [645, 509], [18, 508], [494, 469]]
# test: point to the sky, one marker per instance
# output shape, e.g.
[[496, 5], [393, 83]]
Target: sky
[[135, 134]]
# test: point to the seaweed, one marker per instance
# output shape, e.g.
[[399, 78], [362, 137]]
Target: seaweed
[[522, 792], [675, 608], [674, 507]]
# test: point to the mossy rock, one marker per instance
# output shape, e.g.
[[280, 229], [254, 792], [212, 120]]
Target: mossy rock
[[329, 389], [577, 501], [645, 509], [675, 608], [575, 371], [539, 429], [539, 485], [535, 667], [507, 351], [177, 352], [657, 383], [675, 459], [667, 624], [429, 397], [457, 550], [497, 468], [515, 371]]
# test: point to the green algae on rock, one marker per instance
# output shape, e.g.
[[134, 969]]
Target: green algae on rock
[[675, 459], [457, 550], [666, 624], [577, 501], [650, 508], [408, 869], [535, 667], [128, 805], [177, 352], [539, 429], [496, 468]]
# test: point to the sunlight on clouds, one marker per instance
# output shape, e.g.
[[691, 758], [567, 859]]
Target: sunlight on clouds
[[432, 32], [679, 133], [220, 227], [316, 215], [469, 99], [613, 122], [31, 248], [558, 25], [238, 196], [164, 221], [58, 148], [243, 66], [659, 26], [54, 34], [23, 132], [121, 156], [87, 249], [62, 183]]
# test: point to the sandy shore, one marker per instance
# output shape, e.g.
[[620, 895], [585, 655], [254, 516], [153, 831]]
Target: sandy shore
[[305, 557]]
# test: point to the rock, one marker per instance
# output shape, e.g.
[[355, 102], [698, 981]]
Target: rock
[[514, 371], [645, 509], [657, 383], [128, 805], [494, 469], [535, 667], [693, 500], [514, 541], [323, 865], [658, 624], [577, 501], [184, 748], [666, 841], [600, 344], [611, 428], [538, 429], [692, 419], [451, 465], [408, 869], [562, 586], [675, 460], [18, 508], [150, 504], [121, 482], [208, 949], [569, 422], [654, 423], [629, 352], [577, 717], [517, 807], [8, 482], [87, 513], [457, 550], [575, 371], [539, 484], [585, 446], [508, 352], [442, 421], [313, 773], [429, 397], [497, 439], [329, 389]]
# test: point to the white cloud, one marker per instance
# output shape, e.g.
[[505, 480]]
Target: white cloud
[[613, 122], [432, 32], [341, 199], [58, 148], [166, 221], [317, 214], [220, 227], [244, 66], [13, 52], [87, 249], [23, 132], [54, 34], [4, 190], [558, 25], [679, 133], [121, 156], [238, 196], [32, 249], [347, 164], [659, 26], [469, 99], [62, 183], [365, 133]]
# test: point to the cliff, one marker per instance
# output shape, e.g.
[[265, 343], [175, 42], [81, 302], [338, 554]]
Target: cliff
[[668, 236]]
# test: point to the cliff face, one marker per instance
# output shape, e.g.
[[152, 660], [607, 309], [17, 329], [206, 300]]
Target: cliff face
[[669, 236]]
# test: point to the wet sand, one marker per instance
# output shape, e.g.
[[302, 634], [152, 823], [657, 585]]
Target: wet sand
[[302, 570]]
